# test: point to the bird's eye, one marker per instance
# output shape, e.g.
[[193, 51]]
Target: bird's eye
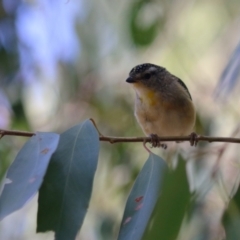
[[147, 75]]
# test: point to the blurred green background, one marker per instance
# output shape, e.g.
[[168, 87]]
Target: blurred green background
[[63, 61]]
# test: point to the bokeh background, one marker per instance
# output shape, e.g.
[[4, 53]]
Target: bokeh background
[[63, 61]]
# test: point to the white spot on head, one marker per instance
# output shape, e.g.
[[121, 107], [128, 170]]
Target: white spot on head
[[152, 69]]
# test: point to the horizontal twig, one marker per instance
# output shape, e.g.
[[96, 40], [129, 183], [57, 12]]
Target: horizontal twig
[[169, 139], [15, 133], [135, 139]]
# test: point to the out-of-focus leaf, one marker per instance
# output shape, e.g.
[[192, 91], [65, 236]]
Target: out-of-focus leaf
[[171, 206], [26, 173], [231, 221], [230, 75], [106, 227], [142, 198], [8, 61], [231, 218], [144, 27], [66, 189], [19, 118], [235, 190]]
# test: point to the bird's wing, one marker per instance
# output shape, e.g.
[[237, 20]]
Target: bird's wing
[[184, 86]]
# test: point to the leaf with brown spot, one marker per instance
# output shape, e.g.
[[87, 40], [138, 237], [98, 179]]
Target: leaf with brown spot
[[24, 176], [142, 199], [66, 191]]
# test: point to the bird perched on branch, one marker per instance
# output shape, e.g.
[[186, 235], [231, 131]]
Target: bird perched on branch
[[163, 104]]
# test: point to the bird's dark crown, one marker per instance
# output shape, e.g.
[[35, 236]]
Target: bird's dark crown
[[143, 67]]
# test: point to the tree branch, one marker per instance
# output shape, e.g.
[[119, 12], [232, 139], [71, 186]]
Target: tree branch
[[169, 139], [135, 139]]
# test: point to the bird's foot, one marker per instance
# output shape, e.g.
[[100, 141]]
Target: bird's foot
[[155, 141], [193, 139]]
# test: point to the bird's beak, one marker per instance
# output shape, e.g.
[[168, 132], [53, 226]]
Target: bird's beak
[[130, 80]]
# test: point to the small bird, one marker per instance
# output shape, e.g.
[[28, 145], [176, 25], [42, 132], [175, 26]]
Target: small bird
[[163, 104]]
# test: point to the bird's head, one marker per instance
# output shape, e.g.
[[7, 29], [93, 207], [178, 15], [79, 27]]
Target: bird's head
[[146, 74]]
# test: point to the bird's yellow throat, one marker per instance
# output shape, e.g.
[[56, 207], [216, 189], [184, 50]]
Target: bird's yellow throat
[[146, 95]]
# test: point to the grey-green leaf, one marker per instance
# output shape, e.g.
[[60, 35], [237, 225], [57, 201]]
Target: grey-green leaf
[[171, 206], [65, 193], [25, 175], [142, 199]]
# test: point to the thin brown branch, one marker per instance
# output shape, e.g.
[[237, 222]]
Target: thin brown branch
[[169, 139], [135, 139], [15, 133]]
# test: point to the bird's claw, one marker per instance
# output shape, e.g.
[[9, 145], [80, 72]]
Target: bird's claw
[[156, 143], [193, 139]]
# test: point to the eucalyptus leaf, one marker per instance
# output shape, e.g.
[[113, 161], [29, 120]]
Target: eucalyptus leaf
[[25, 175], [142, 198], [171, 206], [65, 193]]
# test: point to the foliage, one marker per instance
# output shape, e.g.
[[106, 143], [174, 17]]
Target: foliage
[[65, 192], [63, 172]]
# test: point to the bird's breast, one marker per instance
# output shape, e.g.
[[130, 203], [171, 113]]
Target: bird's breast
[[161, 116]]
